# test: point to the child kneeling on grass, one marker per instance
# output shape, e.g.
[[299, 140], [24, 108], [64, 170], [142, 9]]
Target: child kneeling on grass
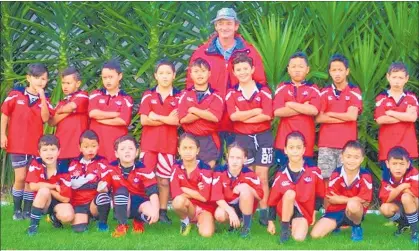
[[51, 185], [348, 195], [399, 192]]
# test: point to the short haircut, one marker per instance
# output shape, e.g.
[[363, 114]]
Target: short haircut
[[123, 138], [200, 62], [236, 145], [295, 135], [299, 54], [113, 65], [189, 136], [399, 153], [37, 70], [71, 71], [89, 134], [48, 140], [354, 144], [339, 58], [164, 61], [398, 66], [242, 58]]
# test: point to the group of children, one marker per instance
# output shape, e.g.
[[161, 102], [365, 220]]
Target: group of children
[[98, 165]]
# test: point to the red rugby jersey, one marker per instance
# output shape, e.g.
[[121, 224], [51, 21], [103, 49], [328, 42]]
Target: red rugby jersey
[[261, 98], [361, 187], [212, 102], [140, 181], [287, 92], [308, 186], [70, 128], [223, 184], [399, 134], [122, 103], [161, 139], [336, 135], [25, 125], [202, 173], [37, 172], [85, 176], [388, 182]]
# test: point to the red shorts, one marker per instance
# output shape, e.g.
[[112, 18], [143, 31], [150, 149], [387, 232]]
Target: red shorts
[[161, 163]]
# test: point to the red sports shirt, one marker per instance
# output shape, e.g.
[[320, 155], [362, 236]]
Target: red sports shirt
[[308, 187], [398, 134], [388, 183], [336, 135], [25, 125], [161, 139], [85, 176], [287, 92], [261, 98], [223, 184], [70, 128], [37, 172], [361, 187], [202, 173], [122, 103]]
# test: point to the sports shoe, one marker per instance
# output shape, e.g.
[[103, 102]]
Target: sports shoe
[[102, 227], [32, 230], [285, 236], [26, 215], [263, 221], [357, 233], [137, 227], [414, 238], [245, 233], [185, 229], [163, 218], [401, 228], [18, 215], [120, 230], [55, 222]]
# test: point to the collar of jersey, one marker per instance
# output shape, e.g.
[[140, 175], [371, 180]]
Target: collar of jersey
[[345, 176], [40, 161], [287, 172], [389, 94]]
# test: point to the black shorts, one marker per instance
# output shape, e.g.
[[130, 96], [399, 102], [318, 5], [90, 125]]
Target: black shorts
[[20, 160], [340, 218], [50, 209], [208, 151], [296, 214], [259, 148], [136, 202], [82, 209]]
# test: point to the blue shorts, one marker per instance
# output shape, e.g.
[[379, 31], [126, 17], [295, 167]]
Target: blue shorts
[[208, 151], [259, 148], [136, 202], [340, 218], [281, 158], [20, 160]]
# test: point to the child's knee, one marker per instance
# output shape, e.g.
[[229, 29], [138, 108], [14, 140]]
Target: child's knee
[[299, 236], [407, 198], [43, 193], [354, 206], [179, 201], [65, 216], [206, 232], [220, 215], [163, 183], [315, 234], [385, 209]]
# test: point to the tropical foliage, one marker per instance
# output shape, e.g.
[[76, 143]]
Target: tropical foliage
[[86, 34]]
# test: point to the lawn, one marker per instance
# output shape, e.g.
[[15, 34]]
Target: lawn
[[13, 236]]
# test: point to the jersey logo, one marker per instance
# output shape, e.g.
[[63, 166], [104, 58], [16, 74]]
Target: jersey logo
[[136, 180], [42, 176], [389, 104], [343, 184], [207, 180], [32, 168], [388, 188], [347, 98], [147, 175], [224, 184], [189, 99], [116, 177], [215, 181], [257, 99], [305, 93], [307, 179], [173, 103], [285, 183], [329, 97], [20, 102], [154, 102], [357, 185], [102, 101], [290, 93], [254, 181], [67, 183], [240, 99], [102, 165], [118, 102], [72, 168], [181, 177], [369, 185]]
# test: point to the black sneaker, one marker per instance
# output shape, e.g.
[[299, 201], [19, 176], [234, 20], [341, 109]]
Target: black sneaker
[[285, 236], [245, 233], [163, 218], [263, 221], [26, 215], [55, 222], [32, 230], [402, 226], [17, 215]]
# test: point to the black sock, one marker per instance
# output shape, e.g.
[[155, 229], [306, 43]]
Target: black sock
[[412, 219], [103, 203], [27, 201], [285, 226], [163, 211], [36, 215], [121, 205], [247, 220], [17, 199], [263, 213]]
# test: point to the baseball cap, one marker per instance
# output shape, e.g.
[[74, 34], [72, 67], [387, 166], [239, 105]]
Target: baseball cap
[[226, 13]]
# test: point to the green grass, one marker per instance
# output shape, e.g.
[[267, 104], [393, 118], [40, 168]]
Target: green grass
[[13, 236]]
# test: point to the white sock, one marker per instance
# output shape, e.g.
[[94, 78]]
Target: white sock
[[185, 221]]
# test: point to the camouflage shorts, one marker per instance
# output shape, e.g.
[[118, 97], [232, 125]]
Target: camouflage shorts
[[328, 160]]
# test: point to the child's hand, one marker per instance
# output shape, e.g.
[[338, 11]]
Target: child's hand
[[411, 109], [153, 116], [174, 113], [389, 112], [403, 186], [258, 110], [333, 198], [200, 186], [102, 187], [58, 188], [40, 92], [271, 227], [3, 141], [234, 219], [154, 217]]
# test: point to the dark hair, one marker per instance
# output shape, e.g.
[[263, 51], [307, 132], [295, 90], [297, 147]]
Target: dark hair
[[339, 58], [37, 70], [164, 61], [89, 134], [354, 144], [398, 66], [113, 65], [242, 58], [126, 137], [295, 135], [71, 71], [236, 145], [48, 140], [398, 152], [299, 54], [200, 62], [189, 136]]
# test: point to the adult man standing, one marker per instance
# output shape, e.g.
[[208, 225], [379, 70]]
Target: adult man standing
[[219, 51]]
